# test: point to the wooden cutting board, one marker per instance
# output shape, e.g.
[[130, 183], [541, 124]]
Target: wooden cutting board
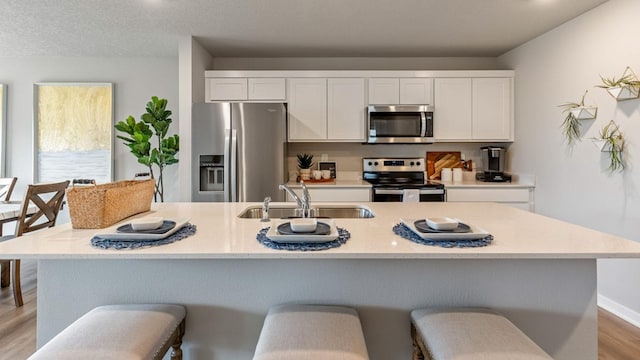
[[438, 160]]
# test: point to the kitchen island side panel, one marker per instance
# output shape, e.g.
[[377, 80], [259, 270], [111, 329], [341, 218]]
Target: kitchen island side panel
[[552, 301]]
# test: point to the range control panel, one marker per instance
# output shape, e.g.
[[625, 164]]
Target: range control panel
[[393, 164]]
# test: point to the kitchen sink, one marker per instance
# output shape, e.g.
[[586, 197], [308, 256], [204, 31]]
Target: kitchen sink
[[329, 211]]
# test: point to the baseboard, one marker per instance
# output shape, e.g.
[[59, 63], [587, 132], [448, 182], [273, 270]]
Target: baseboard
[[619, 310]]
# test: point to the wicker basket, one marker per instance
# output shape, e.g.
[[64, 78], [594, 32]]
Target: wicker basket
[[99, 206]]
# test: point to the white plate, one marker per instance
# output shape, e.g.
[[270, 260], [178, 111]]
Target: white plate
[[142, 236], [274, 235], [474, 234]]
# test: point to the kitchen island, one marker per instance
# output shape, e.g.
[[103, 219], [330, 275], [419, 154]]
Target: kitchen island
[[538, 271]]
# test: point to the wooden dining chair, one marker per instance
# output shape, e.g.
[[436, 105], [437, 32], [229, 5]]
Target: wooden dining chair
[[6, 188], [47, 198]]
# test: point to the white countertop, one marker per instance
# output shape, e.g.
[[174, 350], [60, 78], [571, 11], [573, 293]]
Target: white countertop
[[221, 234]]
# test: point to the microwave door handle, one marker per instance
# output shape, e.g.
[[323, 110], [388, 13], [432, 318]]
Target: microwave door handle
[[423, 124]]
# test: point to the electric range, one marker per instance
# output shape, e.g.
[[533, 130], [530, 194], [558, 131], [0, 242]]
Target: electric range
[[390, 177]]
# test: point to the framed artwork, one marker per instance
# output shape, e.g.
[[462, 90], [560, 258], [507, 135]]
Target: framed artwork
[[328, 165], [3, 128], [73, 131]]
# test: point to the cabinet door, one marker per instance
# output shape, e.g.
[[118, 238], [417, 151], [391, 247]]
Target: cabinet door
[[220, 89], [345, 109], [452, 114], [384, 91], [521, 198], [267, 89], [417, 91], [307, 108], [492, 111]]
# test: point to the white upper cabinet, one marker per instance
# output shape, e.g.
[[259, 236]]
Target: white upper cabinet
[[492, 109], [473, 109], [346, 109], [469, 105], [220, 89], [416, 91], [384, 91], [452, 114], [267, 89], [390, 91], [307, 109], [239, 89], [326, 109]]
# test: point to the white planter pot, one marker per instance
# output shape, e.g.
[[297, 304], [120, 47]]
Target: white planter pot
[[305, 174], [626, 92], [584, 113]]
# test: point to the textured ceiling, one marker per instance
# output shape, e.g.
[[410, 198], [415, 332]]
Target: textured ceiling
[[272, 28]]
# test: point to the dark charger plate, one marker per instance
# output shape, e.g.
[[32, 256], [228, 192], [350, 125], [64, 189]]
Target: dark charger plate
[[166, 226], [422, 226], [321, 229]]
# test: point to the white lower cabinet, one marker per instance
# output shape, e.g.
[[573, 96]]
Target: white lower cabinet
[[521, 198], [337, 195]]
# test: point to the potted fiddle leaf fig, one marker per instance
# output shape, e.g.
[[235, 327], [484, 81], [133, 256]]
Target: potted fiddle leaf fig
[[611, 141], [153, 125], [305, 162], [624, 88], [574, 113]]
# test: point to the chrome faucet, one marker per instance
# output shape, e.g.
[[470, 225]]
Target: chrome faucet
[[304, 203], [265, 209]]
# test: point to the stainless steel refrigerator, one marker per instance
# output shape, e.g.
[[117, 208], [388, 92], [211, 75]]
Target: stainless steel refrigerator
[[238, 151]]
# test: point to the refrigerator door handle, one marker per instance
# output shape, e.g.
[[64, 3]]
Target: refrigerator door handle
[[227, 164], [234, 163]]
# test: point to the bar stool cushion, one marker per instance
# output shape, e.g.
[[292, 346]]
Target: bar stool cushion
[[472, 333], [132, 331], [322, 332]]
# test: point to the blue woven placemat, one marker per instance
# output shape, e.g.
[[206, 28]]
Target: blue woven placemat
[[403, 231], [343, 236], [187, 230]]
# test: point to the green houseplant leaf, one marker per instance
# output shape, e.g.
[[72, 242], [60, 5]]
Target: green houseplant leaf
[[571, 124], [153, 125], [613, 145], [305, 161]]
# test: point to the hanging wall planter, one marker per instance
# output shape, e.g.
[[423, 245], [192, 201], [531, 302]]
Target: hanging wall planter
[[611, 141], [625, 88], [574, 113]]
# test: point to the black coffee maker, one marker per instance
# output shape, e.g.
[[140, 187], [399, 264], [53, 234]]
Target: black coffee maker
[[493, 165]]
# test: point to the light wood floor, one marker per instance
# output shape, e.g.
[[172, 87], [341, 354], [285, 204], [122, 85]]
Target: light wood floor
[[617, 339]]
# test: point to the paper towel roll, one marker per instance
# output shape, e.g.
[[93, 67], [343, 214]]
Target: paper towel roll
[[411, 195]]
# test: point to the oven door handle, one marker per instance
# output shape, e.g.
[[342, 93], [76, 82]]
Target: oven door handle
[[400, 192]]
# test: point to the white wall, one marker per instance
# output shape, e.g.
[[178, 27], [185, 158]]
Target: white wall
[[193, 61], [572, 184], [135, 80], [357, 63]]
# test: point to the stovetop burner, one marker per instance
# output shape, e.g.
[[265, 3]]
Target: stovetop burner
[[397, 173]]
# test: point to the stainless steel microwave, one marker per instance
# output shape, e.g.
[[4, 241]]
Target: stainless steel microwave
[[400, 124]]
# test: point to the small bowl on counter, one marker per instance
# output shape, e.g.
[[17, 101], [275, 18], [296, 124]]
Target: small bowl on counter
[[442, 223], [303, 225]]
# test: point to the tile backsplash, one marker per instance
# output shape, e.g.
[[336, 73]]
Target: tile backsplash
[[348, 156]]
